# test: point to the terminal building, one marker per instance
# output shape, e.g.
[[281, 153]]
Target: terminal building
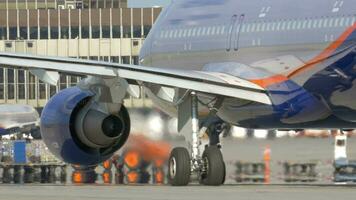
[[105, 30]]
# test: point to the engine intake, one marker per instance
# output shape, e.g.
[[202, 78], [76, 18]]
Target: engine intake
[[79, 133]]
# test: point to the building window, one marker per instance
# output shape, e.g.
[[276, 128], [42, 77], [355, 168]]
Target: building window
[[74, 32], [105, 31], [54, 32], [137, 32], [10, 84], [126, 31], [62, 82], [23, 33], [2, 92], [52, 90], [21, 84], [125, 59], [95, 32], [93, 4], [85, 32], [116, 33], [115, 59], [146, 30], [135, 60], [42, 90], [104, 58], [115, 4], [96, 58], [33, 33], [101, 4], [3, 33], [44, 33], [31, 86], [64, 32], [73, 81], [13, 33]]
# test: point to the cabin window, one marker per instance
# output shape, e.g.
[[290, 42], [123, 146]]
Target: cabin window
[[289, 25], [222, 30], [342, 21], [180, 33], [304, 24], [278, 26], [189, 32], [213, 29], [194, 32], [203, 31], [293, 25], [243, 28], [258, 27], [283, 25], [353, 20], [175, 34], [208, 29], [185, 33], [320, 24], [253, 27], [263, 26], [166, 35], [269, 26], [299, 24], [336, 22], [310, 24], [326, 22], [247, 29], [171, 34]]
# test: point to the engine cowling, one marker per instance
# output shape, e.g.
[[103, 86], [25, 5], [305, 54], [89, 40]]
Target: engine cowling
[[79, 133]]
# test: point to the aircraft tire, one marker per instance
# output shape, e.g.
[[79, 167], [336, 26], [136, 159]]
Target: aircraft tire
[[215, 169], [179, 167]]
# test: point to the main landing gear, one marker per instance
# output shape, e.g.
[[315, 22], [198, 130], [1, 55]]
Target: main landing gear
[[209, 166]]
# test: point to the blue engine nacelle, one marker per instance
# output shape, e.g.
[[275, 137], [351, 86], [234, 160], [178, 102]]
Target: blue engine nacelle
[[78, 134]]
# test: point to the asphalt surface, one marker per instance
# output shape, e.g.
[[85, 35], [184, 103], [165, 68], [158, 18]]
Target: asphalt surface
[[236, 192], [287, 149]]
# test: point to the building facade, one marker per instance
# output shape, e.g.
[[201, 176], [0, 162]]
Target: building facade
[[103, 30]]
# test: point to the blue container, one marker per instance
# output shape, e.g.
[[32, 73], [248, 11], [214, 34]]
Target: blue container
[[20, 152]]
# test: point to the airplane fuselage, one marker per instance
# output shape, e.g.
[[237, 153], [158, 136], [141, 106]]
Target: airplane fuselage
[[302, 52]]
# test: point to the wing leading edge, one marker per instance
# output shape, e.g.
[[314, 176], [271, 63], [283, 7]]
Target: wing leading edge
[[204, 82]]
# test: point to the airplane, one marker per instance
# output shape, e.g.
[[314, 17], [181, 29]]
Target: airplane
[[19, 119], [273, 64]]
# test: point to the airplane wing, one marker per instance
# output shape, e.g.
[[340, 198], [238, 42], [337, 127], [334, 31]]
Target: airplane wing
[[205, 82]]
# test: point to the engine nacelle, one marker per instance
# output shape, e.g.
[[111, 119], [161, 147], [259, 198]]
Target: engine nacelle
[[80, 133]]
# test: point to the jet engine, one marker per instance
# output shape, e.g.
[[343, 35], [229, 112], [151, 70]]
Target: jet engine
[[80, 130]]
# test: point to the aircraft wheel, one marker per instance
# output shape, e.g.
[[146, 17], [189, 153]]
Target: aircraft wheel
[[179, 167], [214, 170]]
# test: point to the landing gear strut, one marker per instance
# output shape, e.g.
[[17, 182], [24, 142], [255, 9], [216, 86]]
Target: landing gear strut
[[209, 166]]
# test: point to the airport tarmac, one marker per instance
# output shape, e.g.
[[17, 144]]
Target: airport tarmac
[[235, 192]]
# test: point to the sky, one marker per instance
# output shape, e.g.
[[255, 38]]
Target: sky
[[147, 3]]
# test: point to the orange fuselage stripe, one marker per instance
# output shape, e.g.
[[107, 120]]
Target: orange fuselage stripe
[[326, 53], [265, 82]]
